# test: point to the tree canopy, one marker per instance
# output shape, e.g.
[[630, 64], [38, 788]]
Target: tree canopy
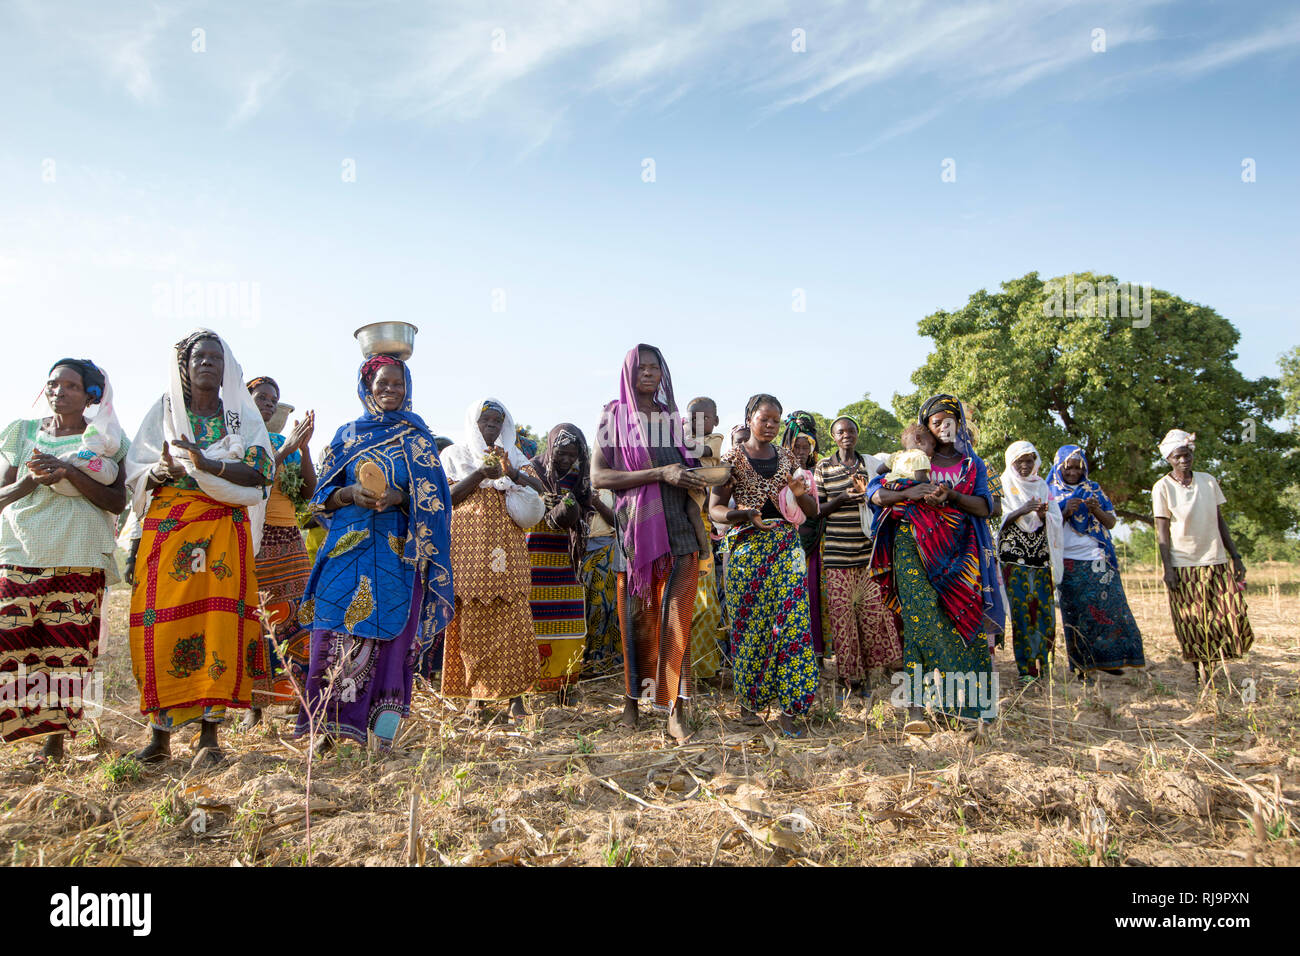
[[1055, 370]]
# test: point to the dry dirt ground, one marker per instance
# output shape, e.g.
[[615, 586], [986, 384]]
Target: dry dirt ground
[[1136, 770]]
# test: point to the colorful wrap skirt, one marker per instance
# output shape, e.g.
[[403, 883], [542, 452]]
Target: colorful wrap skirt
[[657, 634], [1209, 611], [195, 633], [604, 653], [1032, 610], [282, 573], [1100, 632], [558, 609], [943, 671], [49, 637], [767, 599]]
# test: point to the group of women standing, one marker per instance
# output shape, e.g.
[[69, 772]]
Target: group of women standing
[[508, 572]]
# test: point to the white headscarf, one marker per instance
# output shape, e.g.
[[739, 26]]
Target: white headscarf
[[1018, 492], [168, 421], [523, 504], [461, 459], [1176, 439]]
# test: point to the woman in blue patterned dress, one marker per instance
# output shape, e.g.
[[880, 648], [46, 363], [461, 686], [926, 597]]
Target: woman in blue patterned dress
[[380, 591]]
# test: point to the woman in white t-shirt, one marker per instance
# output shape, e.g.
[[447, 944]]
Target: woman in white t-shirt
[[1206, 599], [1100, 632]]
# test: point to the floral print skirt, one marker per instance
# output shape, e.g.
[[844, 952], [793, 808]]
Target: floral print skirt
[[1032, 610], [943, 671], [767, 600], [1100, 632]]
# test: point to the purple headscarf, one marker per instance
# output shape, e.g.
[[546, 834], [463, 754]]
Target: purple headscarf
[[624, 441]]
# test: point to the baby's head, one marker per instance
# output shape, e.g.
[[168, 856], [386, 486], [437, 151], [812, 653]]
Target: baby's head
[[917, 437]]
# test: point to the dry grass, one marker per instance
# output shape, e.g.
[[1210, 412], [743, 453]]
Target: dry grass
[[1136, 770]]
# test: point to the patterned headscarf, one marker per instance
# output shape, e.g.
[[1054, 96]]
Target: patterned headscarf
[[428, 544], [525, 444], [577, 482], [964, 443], [796, 424], [1082, 521], [261, 380], [372, 365], [184, 348]]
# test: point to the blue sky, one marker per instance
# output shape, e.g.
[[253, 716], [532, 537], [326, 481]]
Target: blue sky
[[520, 169]]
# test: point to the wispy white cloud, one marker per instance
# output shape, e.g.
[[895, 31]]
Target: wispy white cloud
[[258, 88], [901, 128], [518, 68], [1286, 36]]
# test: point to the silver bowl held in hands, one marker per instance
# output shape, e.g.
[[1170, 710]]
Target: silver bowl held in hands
[[387, 338]]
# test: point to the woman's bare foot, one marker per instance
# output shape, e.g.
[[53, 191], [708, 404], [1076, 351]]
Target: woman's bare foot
[[324, 745], [788, 728], [207, 737], [251, 719], [916, 723], [677, 723], [53, 749], [158, 748], [629, 714], [749, 718], [517, 709]]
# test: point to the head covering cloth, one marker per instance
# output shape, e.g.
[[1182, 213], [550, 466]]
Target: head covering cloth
[[93, 378], [577, 481], [1175, 439], [1082, 520], [169, 420], [1018, 492], [624, 440], [428, 541]]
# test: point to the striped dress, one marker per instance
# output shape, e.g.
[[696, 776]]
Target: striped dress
[[558, 606]]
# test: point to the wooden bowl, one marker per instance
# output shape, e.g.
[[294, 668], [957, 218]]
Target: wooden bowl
[[712, 475]]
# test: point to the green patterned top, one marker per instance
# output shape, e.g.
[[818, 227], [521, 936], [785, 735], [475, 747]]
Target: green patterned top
[[47, 529], [208, 430]]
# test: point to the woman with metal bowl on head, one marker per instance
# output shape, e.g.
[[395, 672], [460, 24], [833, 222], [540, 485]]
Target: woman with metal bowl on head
[[380, 591]]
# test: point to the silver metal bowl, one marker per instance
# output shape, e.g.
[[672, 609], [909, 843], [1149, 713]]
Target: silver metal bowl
[[387, 338]]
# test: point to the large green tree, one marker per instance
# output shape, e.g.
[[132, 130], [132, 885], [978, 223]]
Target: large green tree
[[880, 429], [1289, 363], [1056, 368]]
